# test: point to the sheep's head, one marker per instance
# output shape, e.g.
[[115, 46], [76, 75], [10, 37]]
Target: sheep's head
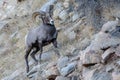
[[45, 16]]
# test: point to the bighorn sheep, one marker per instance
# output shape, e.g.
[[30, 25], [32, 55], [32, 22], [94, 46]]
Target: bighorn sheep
[[40, 36]]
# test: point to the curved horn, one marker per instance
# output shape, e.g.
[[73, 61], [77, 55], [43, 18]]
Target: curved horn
[[34, 15]]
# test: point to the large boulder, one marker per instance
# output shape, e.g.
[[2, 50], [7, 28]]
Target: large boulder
[[90, 58]]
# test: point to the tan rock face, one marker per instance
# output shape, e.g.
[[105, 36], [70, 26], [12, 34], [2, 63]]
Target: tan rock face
[[106, 55], [90, 58]]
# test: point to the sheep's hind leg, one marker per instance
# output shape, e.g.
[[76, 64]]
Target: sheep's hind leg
[[33, 55], [41, 49], [55, 43], [28, 50]]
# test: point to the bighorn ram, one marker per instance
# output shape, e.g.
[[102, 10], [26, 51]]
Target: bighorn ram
[[40, 36]]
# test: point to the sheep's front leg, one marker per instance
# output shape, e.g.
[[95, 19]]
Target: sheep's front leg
[[33, 55], [55, 43], [41, 49]]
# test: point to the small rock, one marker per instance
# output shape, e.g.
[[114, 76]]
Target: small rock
[[84, 43], [71, 51], [75, 16], [71, 35], [63, 15], [76, 58], [116, 32], [110, 68], [62, 62], [117, 51], [74, 78], [51, 73], [107, 54], [49, 55], [75, 75], [51, 64], [116, 75], [61, 78], [68, 69], [66, 3], [90, 58], [79, 66], [118, 63], [3, 25]]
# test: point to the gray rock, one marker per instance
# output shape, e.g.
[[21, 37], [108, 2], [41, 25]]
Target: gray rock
[[75, 75], [72, 35], [107, 54], [102, 41], [74, 78], [75, 16], [110, 68], [58, 9], [116, 32], [117, 51], [97, 75], [84, 43], [48, 55], [68, 69], [62, 62], [101, 76], [118, 63], [63, 15], [61, 78]]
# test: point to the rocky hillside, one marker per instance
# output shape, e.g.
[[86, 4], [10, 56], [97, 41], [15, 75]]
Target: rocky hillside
[[88, 40]]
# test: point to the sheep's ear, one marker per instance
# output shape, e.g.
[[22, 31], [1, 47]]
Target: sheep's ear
[[51, 7]]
